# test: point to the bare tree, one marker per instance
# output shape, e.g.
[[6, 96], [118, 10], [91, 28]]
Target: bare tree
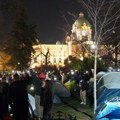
[[103, 15], [46, 55]]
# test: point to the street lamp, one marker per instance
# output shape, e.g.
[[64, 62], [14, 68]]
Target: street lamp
[[81, 58]]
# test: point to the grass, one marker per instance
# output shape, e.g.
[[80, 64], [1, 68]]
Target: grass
[[83, 112]]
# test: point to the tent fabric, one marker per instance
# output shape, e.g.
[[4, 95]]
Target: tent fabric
[[56, 100], [31, 101], [108, 119], [110, 80], [70, 84], [107, 94], [100, 74], [110, 109], [60, 90], [108, 97]]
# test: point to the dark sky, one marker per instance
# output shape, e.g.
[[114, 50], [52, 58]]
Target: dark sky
[[47, 15]]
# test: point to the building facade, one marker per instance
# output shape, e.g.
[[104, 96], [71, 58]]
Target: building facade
[[50, 54], [55, 54]]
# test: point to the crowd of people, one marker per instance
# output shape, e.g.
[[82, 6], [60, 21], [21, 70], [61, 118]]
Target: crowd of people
[[14, 93], [84, 82], [43, 93], [14, 98]]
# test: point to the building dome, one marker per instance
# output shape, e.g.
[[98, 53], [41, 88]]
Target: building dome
[[81, 29], [58, 43], [81, 21]]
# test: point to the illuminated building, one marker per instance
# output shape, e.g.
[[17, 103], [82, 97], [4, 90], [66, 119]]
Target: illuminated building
[[55, 54], [81, 29], [81, 36]]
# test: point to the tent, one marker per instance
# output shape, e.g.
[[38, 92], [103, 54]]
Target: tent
[[56, 100], [100, 74], [60, 90], [32, 107], [108, 97], [70, 84]]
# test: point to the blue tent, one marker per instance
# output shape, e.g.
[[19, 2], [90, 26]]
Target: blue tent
[[108, 97]]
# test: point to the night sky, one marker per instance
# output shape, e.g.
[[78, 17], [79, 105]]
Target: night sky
[[47, 15]]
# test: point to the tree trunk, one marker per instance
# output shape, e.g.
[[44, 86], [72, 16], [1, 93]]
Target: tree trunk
[[116, 55], [95, 71]]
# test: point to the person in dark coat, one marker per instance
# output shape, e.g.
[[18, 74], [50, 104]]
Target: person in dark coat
[[48, 100], [4, 98], [42, 92], [37, 84], [83, 89], [76, 77], [19, 97]]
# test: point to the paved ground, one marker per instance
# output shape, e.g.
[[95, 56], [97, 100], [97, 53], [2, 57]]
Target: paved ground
[[73, 107]]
